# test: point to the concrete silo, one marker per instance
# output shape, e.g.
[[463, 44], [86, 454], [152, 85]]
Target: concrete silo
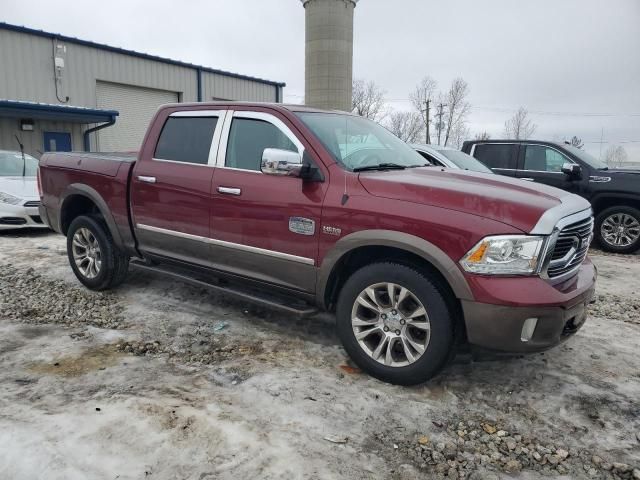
[[329, 53]]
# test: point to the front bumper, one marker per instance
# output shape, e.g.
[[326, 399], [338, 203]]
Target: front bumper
[[20, 216], [560, 311]]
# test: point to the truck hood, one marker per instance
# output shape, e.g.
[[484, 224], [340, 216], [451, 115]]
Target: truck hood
[[21, 187], [511, 201]]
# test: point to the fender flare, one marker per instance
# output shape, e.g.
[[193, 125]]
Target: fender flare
[[400, 240], [604, 196], [80, 189]]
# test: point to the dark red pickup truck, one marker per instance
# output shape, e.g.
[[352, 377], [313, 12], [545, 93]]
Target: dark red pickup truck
[[303, 209]]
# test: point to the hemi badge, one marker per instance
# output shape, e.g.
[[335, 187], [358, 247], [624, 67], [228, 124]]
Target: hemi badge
[[302, 226]]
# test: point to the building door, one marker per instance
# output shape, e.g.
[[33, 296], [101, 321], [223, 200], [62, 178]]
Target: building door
[[57, 141]]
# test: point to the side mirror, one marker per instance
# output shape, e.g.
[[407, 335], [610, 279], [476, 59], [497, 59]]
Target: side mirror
[[281, 162], [571, 169]]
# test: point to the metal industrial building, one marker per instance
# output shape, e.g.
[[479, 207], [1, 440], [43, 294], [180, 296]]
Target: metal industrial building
[[58, 92]]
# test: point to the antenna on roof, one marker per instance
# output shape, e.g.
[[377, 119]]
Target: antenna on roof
[[24, 161]]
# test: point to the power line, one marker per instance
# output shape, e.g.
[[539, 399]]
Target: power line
[[538, 112]]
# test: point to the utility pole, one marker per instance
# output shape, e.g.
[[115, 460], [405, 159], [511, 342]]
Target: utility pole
[[439, 115], [427, 104]]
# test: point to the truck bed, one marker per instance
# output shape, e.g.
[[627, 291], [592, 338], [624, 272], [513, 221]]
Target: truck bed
[[101, 163], [102, 178]]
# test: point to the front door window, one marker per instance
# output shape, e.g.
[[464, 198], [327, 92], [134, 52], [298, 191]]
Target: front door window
[[539, 158]]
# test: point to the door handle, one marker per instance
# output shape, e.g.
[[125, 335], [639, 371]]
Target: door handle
[[528, 179], [144, 179], [229, 190]]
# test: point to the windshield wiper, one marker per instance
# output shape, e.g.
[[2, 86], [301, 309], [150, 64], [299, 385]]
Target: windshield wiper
[[380, 166]]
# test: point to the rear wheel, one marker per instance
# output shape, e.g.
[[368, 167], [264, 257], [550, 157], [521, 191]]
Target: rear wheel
[[394, 323], [618, 229], [93, 256]]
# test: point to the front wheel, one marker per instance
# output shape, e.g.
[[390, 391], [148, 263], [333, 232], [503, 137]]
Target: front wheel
[[93, 256], [617, 229], [394, 323]]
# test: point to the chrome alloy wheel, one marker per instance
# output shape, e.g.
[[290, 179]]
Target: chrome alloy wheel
[[620, 229], [86, 253], [390, 324]]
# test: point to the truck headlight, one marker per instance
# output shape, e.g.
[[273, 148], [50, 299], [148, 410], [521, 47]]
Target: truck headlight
[[504, 255], [10, 199]]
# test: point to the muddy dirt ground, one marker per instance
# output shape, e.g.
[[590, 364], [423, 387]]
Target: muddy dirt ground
[[161, 380]]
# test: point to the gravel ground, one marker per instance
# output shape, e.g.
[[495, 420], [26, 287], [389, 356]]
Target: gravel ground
[[158, 379]]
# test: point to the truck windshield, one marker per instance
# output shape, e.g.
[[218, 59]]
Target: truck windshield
[[587, 158], [12, 165], [360, 144]]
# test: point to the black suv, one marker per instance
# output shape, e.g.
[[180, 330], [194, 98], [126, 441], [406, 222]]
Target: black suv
[[614, 194]]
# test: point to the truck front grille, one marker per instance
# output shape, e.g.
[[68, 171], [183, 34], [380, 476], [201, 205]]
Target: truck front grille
[[571, 248]]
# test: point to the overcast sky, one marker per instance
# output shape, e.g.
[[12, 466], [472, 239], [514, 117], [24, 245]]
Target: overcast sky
[[574, 64]]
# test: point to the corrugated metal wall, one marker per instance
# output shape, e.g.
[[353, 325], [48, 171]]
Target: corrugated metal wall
[[27, 73], [220, 87], [34, 141]]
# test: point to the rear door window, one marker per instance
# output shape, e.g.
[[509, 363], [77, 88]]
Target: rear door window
[[498, 155], [186, 139]]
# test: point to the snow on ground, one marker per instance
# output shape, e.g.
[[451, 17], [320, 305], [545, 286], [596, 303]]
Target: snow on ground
[[162, 380]]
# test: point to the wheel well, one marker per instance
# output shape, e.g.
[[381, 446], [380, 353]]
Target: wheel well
[[73, 207], [603, 203], [359, 257]]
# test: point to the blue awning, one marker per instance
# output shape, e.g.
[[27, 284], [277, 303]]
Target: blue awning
[[60, 113]]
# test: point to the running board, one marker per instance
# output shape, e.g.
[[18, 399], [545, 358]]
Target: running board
[[279, 302]]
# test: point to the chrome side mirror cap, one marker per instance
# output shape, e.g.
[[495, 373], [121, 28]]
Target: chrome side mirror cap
[[281, 162], [571, 169]]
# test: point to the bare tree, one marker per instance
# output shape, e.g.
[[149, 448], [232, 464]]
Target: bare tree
[[482, 136], [421, 99], [459, 134], [520, 126], [457, 107], [576, 142], [405, 125], [368, 100], [615, 156]]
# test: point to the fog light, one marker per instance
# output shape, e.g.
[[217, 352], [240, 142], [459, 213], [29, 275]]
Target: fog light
[[528, 328]]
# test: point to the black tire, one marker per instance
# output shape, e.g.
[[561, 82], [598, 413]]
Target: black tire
[[114, 264], [441, 342], [600, 219]]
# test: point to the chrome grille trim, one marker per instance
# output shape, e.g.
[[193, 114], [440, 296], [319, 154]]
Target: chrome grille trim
[[568, 247], [32, 203]]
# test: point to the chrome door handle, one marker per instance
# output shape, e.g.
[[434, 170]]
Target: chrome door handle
[[144, 179], [230, 190], [528, 179]]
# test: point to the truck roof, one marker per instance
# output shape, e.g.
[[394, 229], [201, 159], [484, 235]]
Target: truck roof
[[280, 106]]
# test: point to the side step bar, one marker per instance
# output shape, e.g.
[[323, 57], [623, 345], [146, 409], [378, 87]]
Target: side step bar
[[279, 302]]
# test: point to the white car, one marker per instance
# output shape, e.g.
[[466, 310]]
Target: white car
[[450, 158], [19, 199]]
